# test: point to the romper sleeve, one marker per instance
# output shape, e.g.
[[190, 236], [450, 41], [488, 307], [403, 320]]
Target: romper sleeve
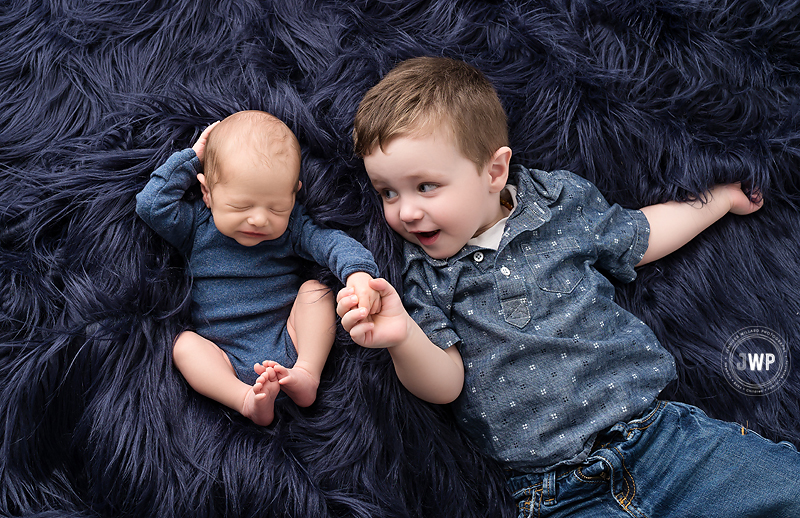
[[424, 299], [160, 204], [620, 235], [328, 247]]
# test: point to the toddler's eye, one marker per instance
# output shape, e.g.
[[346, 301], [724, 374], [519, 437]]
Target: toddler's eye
[[388, 194], [427, 187]]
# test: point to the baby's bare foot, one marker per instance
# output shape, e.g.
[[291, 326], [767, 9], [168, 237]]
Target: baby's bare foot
[[298, 383], [259, 402], [261, 368]]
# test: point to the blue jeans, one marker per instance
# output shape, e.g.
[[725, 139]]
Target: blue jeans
[[674, 461]]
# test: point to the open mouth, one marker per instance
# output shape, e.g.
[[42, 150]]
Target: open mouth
[[427, 238]]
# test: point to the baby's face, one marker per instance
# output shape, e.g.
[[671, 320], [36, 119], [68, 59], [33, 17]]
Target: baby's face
[[252, 204], [433, 196]]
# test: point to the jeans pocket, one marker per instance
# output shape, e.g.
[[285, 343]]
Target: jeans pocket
[[596, 472]]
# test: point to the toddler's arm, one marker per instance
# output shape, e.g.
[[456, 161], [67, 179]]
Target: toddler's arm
[[673, 224], [430, 373]]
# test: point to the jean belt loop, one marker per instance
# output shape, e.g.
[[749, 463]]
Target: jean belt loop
[[549, 488]]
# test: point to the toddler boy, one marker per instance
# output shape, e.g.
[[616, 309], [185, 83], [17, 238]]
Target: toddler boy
[[509, 315]]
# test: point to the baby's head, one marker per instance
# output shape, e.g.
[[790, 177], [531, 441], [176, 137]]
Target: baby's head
[[434, 139], [250, 176]]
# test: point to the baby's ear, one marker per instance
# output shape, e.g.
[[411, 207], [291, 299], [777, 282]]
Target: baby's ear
[[204, 188]]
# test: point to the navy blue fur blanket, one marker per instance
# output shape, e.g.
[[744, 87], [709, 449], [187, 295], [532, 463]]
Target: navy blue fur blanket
[[651, 100]]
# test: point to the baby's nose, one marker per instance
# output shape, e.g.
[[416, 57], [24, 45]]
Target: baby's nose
[[257, 219]]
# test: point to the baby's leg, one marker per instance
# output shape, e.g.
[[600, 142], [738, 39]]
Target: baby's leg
[[208, 371], [312, 327]]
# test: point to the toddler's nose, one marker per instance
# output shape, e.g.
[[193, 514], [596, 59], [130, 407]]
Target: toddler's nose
[[410, 212]]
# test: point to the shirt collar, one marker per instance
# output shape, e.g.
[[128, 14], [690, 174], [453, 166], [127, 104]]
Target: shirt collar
[[537, 191], [492, 236]]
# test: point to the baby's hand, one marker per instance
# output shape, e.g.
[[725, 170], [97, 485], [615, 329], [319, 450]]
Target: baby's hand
[[367, 297], [199, 147], [386, 328], [347, 304]]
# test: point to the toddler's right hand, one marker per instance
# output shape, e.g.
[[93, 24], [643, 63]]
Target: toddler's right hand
[[386, 328]]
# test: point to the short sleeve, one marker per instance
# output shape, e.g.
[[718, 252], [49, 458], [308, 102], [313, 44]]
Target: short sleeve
[[423, 299], [620, 235]]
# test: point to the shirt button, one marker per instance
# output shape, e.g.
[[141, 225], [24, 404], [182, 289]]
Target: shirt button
[[505, 271], [478, 256]]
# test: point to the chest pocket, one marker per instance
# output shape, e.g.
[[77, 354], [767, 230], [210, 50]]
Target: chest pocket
[[554, 261]]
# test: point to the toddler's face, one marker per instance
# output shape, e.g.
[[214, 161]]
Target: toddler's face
[[433, 196], [252, 204]]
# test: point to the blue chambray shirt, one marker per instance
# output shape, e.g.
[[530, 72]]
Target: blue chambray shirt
[[550, 359]]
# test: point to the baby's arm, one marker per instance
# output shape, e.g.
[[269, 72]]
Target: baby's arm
[[673, 224], [161, 205], [199, 147], [430, 373]]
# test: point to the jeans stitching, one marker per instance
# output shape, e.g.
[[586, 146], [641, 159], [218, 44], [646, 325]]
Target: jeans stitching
[[629, 482], [627, 502], [551, 499], [599, 479], [536, 492], [648, 421], [528, 505]]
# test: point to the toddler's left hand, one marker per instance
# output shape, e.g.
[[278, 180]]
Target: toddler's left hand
[[741, 204]]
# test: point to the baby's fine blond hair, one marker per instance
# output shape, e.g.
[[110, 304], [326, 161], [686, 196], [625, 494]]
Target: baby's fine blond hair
[[251, 131]]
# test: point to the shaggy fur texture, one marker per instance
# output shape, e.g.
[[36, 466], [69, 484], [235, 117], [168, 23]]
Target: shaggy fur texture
[[651, 100]]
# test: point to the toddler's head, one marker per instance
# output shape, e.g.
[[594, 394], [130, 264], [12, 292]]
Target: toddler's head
[[250, 176], [425, 94], [434, 139]]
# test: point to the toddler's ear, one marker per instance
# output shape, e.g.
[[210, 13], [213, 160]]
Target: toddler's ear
[[498, 168], [204, 188]]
